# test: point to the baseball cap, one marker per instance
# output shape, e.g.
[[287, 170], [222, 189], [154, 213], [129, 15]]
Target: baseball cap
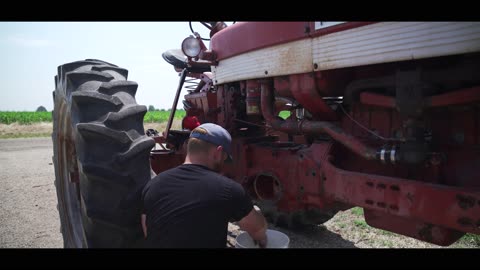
[[215, 135]]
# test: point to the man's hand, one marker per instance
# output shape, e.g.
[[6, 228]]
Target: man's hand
[[261, 243], [256, 226]]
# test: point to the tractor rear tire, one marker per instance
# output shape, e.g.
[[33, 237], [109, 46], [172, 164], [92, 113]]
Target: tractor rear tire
[[101, 155]]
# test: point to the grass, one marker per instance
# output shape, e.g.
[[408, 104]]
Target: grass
[[386, 232], [387, 243], [358, 211], [470, 239], [361, 223], [352, 226]]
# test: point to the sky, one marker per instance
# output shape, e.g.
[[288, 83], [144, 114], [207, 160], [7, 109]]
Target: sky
[[30, 53]]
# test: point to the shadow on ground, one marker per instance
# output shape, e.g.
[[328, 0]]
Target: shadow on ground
[[315, 237], [308, 237]]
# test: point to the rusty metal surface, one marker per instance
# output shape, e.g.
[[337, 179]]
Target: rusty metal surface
[[243, 37], [232, 41], [277, 162], [310, 127], [373, 99], [304, 90], [457, 97], [227, 96], [432, 203], [412, 227], [435, 201], [162, 160], [281, 84], [252, 99], [330, 158], [463, 96], [204, 105]]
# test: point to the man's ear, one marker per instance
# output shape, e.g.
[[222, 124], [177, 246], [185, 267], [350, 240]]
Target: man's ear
[[219, 150]]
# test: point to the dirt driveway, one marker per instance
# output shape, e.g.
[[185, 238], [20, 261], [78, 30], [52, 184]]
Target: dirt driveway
[[28, 214]]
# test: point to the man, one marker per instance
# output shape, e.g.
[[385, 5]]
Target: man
[[190, 206]]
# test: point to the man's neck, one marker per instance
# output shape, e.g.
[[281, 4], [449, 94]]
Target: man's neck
[[189, 159]]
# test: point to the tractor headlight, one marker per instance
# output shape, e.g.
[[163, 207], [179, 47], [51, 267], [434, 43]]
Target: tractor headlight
[[191, 47]]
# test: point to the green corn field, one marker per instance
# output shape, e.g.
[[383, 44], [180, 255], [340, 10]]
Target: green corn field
[[26, 118], [161, 116]]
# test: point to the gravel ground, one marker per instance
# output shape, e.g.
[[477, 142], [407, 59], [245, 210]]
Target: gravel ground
[[28, 214], [29, 218], [348, 229]]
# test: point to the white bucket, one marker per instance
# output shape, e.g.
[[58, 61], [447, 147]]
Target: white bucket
[[275, 239]]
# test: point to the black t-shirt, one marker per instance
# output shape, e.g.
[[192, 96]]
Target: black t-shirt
[[190, 206]]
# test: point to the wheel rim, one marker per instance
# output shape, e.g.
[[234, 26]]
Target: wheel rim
[[69, 185]]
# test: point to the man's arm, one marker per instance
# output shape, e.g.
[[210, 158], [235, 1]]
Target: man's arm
[[246, 216], [256, 226], [144, 224]]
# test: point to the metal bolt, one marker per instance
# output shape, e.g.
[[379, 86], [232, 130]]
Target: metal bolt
[[381, 204], [394, 207], [300, 113], [396, 188]]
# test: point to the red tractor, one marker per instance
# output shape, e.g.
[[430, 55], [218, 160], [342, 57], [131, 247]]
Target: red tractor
[[380, 115]]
